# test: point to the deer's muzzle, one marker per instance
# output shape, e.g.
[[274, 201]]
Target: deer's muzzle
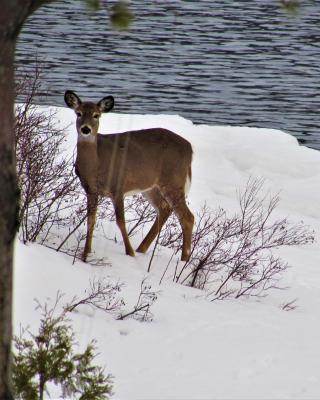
[[85, 130]]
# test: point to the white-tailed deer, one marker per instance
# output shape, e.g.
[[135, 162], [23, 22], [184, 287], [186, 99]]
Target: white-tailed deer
[[155, 162]]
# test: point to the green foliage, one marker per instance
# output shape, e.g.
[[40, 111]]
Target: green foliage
[[121, 17], [49, 357], [87, 381], [291, 6], [120, 14], [93, 5]]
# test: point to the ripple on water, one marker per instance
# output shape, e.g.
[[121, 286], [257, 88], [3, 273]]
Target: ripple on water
[[236, 63]]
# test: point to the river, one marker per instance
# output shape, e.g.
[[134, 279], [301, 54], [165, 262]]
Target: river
[[244, 63]]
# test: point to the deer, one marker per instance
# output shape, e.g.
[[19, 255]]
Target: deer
[[154, 162]]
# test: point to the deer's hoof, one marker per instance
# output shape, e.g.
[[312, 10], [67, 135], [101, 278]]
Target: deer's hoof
[[130, 253], [185, 256], [141, 249]]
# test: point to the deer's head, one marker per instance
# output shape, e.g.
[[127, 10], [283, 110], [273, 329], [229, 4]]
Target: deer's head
[[88, 113]]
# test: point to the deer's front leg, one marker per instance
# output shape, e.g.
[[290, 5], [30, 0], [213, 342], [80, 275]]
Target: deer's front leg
[[119, 211], [92, 204]]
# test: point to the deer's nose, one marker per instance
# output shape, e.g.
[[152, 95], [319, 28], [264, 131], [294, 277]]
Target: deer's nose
[[85, 130]]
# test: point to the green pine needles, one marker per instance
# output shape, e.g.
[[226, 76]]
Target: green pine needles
[[49, 358]]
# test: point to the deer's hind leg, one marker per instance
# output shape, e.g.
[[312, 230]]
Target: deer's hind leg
[[176, 198], [163, 211]]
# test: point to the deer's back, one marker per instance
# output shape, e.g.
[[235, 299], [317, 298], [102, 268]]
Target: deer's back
[[146, 157]]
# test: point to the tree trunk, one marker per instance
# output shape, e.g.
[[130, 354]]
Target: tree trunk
[[9, 199], [12, 16], [8, 210], [13, 13]]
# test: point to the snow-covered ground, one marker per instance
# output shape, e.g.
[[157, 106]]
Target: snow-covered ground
[[194, 348]]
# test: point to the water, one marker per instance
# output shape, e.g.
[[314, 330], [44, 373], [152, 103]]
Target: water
[[244, 63]]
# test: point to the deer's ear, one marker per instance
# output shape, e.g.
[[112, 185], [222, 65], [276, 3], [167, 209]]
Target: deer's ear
[[106, 104], [71, 99]]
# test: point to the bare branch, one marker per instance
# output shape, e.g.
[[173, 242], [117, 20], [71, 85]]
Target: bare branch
[[233, 256], [141, 309], [101, 295]]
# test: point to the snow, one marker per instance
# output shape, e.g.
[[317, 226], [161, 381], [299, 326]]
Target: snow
[[194, 348]]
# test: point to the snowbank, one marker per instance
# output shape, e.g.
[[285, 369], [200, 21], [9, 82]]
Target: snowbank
[[194, 349]]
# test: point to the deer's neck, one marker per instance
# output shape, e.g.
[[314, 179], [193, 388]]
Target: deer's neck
[[87, 164]]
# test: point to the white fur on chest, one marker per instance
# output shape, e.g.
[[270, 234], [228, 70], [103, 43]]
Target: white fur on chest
[[85, 138]]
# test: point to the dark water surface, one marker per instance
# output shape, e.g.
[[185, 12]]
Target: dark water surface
[[246, 63]]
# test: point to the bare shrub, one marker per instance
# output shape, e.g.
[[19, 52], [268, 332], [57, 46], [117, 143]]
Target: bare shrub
[[234, 256], [52, 202], [101, 295], [139, 213], [105, 296], [171, 235], [47, 184], [141, 310]]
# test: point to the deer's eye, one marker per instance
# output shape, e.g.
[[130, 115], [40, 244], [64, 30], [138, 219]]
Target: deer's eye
[[96, 116], [79, 114]]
